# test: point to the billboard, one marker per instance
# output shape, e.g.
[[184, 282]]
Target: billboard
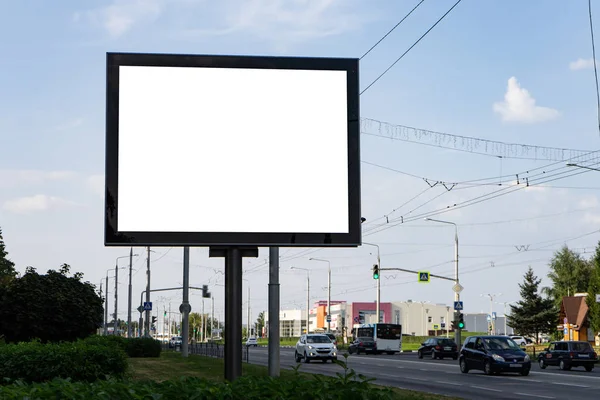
[[208, 150]]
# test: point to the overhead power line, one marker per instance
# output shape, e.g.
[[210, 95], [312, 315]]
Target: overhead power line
[[594, 59], [391, 30], [468, 144], [410, 48]]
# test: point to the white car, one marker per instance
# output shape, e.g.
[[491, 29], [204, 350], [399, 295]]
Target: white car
[[520, 340], [251, 342], [315, 347]]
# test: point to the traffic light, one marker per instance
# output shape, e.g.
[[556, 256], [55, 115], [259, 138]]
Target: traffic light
[[461, 321], [165, 314], [153, 320], [375, 271], [205, 292]]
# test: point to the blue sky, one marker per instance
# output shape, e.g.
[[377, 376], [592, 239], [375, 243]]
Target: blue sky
[[52, 130]]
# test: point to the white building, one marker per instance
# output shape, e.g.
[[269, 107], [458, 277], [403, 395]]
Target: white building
[[291, 322]]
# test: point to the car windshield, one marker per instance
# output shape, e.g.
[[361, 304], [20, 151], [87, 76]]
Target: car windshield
[[365, 339], [582, 347], [446, 342], [497, 343], [318, 339], [331, 336]]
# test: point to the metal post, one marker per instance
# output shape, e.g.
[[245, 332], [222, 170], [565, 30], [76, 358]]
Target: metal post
[[233, 314], [116, 297], [447, 322], [185, 306], [329, 298], [457, 331], [212, 316], [505, 331], [248, 328], [203, 319], [274, 300], [106, 308], [307, 302], [129, 300], [147, 322]]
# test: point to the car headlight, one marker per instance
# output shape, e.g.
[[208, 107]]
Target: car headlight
[[310, 347], [497, 357], [526, 358]]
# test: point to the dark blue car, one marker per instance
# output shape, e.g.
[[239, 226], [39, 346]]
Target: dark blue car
[[493, 354]]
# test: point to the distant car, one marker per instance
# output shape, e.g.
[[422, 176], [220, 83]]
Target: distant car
[[175, 341], [363, 345], [568, 354], [438, 348], [332, 337], [493, 354], [315, 347], [520, 340], [251, 342]]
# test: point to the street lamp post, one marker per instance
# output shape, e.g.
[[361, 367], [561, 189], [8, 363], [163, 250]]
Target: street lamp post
[[492, 296], [328, 290], [307, 297], [457, 330], [505, 303], [378, 281]]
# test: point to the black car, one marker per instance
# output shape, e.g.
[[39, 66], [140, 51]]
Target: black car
[[568, 354], [363, 345], [438, 348], [493, 354]]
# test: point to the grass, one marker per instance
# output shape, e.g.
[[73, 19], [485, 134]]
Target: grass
[[171, 365]]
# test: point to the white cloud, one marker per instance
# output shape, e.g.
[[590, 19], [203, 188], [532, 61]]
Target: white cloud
[[581, 64], [588, 202], [96, 184], [122, 15], [16, 177], [36, 203], [520, 106], [285, 21]]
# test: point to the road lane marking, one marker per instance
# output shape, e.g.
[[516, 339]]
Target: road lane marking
[[421, 369], [485, 388], [566, 375], [380, 365], [569, 384], [535, 395], [400, 367], [449, 383], [418, 379]]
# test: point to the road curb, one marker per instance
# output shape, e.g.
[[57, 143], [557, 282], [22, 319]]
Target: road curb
[[293, 347]]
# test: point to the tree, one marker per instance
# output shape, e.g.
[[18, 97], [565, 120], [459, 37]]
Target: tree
[[533, 314], [593, 290], [52, 307], [7, 268], [569, 273], [260, 323]]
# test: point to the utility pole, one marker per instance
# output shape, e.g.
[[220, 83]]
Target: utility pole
[[185, 304], [328, 290], [212, 316], [377, 307], [274, 303], [106, 308], [248, 329], [129, 300], [147, 322], [307, 303], [203, 319], [116, 296]]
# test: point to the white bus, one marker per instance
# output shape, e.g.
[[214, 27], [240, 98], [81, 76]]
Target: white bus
[[387, 337]]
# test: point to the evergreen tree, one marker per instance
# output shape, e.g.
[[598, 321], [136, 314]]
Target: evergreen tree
[[533, 315], [569, 273], [7, 267], [593, 290]]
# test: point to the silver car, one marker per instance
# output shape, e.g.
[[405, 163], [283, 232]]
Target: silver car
[[315, 347]]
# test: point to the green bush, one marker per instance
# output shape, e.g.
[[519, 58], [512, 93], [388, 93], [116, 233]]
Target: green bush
[[244, 388], [143, 347], [79, 361], [134, 347]]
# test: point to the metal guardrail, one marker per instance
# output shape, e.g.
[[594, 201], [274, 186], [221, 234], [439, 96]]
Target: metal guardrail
[[215, 350]]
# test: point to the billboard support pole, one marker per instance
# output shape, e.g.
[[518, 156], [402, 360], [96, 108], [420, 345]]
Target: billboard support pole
[[274, 301], [233, 305]]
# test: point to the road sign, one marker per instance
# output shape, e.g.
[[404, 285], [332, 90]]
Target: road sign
[[356, 320], [328, 318], [494, 315], [566, 331], [424, 277], [140, 309], [598, 298], [147, 306], [443, 324], [436, 327], [489, 318], [457, 288], [185, 306], [458, 305]]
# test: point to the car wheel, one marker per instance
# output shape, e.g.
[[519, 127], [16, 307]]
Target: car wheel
[[589, 368], [419, 354], [306, 359], [487, 368], [525, 372], [433, 356], [334, 359], [563, 365], [350, 350], [464, 368], [297, 356], [542, 363], [391, 353], [455, 358]]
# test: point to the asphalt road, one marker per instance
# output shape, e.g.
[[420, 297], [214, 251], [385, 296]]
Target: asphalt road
[[444, 377]]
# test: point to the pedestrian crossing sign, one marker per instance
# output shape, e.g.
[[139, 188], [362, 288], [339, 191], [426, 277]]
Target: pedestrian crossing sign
[[423, 277]]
